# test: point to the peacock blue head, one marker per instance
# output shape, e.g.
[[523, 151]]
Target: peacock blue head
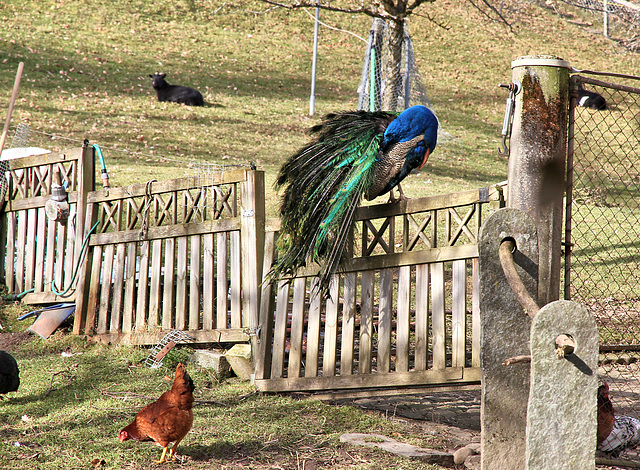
[[411, 123]]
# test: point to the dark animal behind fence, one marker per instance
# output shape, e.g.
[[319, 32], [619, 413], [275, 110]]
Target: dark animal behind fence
[[175, 93], [591, 99]]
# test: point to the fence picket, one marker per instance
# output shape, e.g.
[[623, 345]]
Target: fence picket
[[403, 321], [41, 242], [297, 327], [348, 324], [169, 286], [438, 315], [331, 329]]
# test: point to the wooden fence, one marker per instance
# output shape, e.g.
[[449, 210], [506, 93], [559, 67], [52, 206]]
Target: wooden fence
[[403, 312], [189, 254], [38, 254], [174, 255]]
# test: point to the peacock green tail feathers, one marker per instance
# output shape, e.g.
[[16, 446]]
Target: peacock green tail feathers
[[323, 185]]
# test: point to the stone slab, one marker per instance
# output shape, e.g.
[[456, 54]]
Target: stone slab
[[239, 357], [212, 359], [398, 448], [505, 330], [561, 417]]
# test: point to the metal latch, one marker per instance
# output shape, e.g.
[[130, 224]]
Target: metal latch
[[253, 331], [514, 89]]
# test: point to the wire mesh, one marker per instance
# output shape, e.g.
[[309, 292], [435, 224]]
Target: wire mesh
[[605, 231], [388, 84]]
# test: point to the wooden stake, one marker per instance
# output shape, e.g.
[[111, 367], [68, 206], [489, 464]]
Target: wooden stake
[[14, 95]]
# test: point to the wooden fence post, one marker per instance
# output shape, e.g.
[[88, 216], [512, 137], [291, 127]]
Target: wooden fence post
[[537, 158], [85, 218], [252, 234]]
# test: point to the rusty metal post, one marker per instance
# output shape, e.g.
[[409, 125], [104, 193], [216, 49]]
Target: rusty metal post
[[537, 158]]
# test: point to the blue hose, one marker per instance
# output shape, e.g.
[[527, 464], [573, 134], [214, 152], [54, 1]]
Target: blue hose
[[103, 168]]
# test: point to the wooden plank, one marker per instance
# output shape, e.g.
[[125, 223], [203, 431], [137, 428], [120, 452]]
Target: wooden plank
[[208, 281], [280, 330], [222, 284], [403, 320], [424, 204], [475, 314], [438, 315], [167, 186], [105, 289], [385, 313], [297, 327], [181, 284], [41, 243], [366, 323], [50, 253], [331, 328], [69, 255], [129, 288], [152, 337], [118, 286], [46, 159], [168, 231], [94, 291], [392, 379], [21, 244], [37, 202], [348, 324], [10, 254], [168, 288], [395, 260], [422, 316], [235, 267], [262, 359], [426, 389], [313, 330], [143, 282], [194, 283], [84, 276], [155, 277], [458, 313], [252, 201], [58, 275]]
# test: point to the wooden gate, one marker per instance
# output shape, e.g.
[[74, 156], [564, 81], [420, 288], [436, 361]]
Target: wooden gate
[[38, 253], [174, 255], [403, 312]]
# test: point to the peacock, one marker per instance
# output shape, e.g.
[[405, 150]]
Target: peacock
[[352, 153]]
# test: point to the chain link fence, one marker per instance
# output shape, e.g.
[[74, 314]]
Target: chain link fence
[[605, 230]]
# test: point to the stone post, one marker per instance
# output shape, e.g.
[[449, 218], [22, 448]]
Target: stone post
[[505, 334], [537, 158]]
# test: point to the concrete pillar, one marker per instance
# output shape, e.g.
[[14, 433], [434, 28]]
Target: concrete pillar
[[537, 158]]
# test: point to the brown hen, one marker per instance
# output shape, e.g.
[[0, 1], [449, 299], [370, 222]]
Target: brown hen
[[166, 420]]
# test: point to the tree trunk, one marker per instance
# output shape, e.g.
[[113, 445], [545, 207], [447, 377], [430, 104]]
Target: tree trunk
[[393, 75]]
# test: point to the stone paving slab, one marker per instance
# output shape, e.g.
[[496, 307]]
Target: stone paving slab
[[398, 448]]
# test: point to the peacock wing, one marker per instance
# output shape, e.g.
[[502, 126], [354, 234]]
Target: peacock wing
[[393, 166]]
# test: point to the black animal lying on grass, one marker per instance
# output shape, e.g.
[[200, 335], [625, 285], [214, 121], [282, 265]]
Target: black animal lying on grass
[[590, 99], [175, 93]]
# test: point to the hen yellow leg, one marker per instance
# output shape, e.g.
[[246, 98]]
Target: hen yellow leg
[[162, 457], [173, 449]]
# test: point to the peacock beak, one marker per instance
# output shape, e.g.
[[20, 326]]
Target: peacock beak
[[424, 160]]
